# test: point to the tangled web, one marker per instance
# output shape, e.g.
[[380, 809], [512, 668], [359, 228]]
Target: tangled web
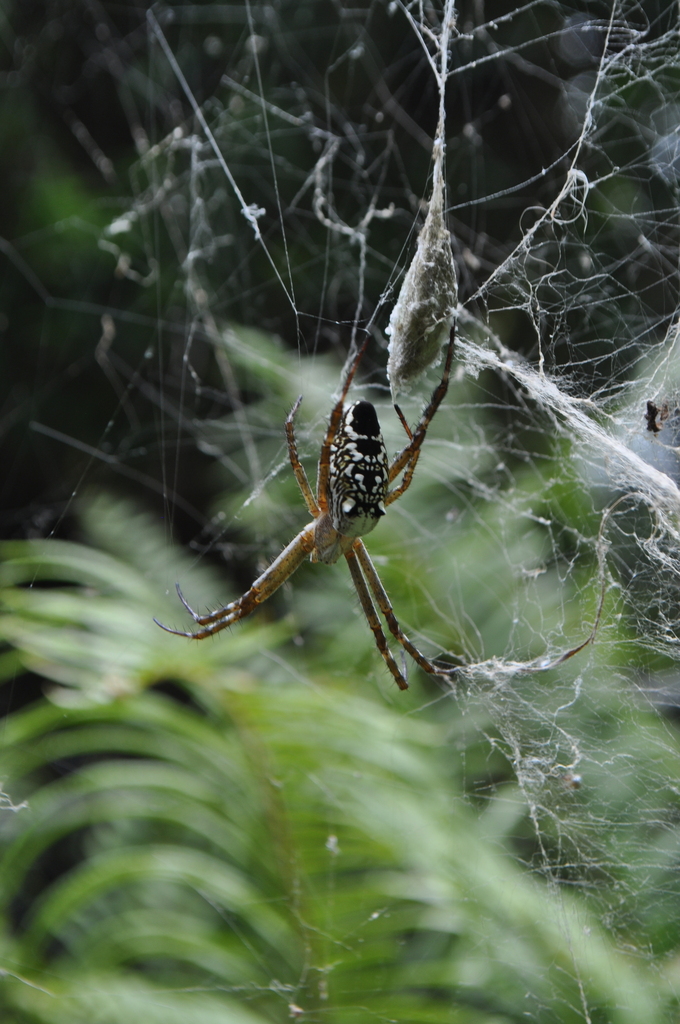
[[540, 543]]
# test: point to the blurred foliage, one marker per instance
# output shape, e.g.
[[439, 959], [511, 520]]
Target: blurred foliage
[[265, 835], [258, 827]]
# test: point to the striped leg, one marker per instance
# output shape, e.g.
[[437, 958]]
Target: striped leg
[[373, 620], [385, 606], [298, 468], [263, 587], [408, 457]]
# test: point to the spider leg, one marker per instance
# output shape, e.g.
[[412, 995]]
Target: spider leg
[[372, 617], [408, 457], [375, 583], [263, 587], [404, 424], [201, 619], [406, 480], [298, 468], [333, 424]]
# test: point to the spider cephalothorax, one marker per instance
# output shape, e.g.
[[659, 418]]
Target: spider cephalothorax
[[352, 494]]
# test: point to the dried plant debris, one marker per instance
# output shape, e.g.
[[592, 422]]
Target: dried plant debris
[[653, 411], [424, 312]]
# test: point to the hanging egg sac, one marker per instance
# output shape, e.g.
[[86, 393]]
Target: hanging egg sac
[[425, 309]]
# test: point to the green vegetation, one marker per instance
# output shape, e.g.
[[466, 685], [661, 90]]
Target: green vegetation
[[259, 827], [272, 833]]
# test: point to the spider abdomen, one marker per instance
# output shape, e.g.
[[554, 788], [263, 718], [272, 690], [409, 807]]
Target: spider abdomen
[[359, 471]]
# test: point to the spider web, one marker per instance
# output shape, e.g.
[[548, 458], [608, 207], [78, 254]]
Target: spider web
[[269, 220]]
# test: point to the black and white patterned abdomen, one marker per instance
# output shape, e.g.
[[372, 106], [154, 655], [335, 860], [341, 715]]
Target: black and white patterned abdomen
[[357, 483]]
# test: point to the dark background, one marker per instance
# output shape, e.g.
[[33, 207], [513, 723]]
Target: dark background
[[150, 350]]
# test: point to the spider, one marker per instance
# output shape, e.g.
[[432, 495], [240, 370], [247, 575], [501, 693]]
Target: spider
[[352, 494]]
